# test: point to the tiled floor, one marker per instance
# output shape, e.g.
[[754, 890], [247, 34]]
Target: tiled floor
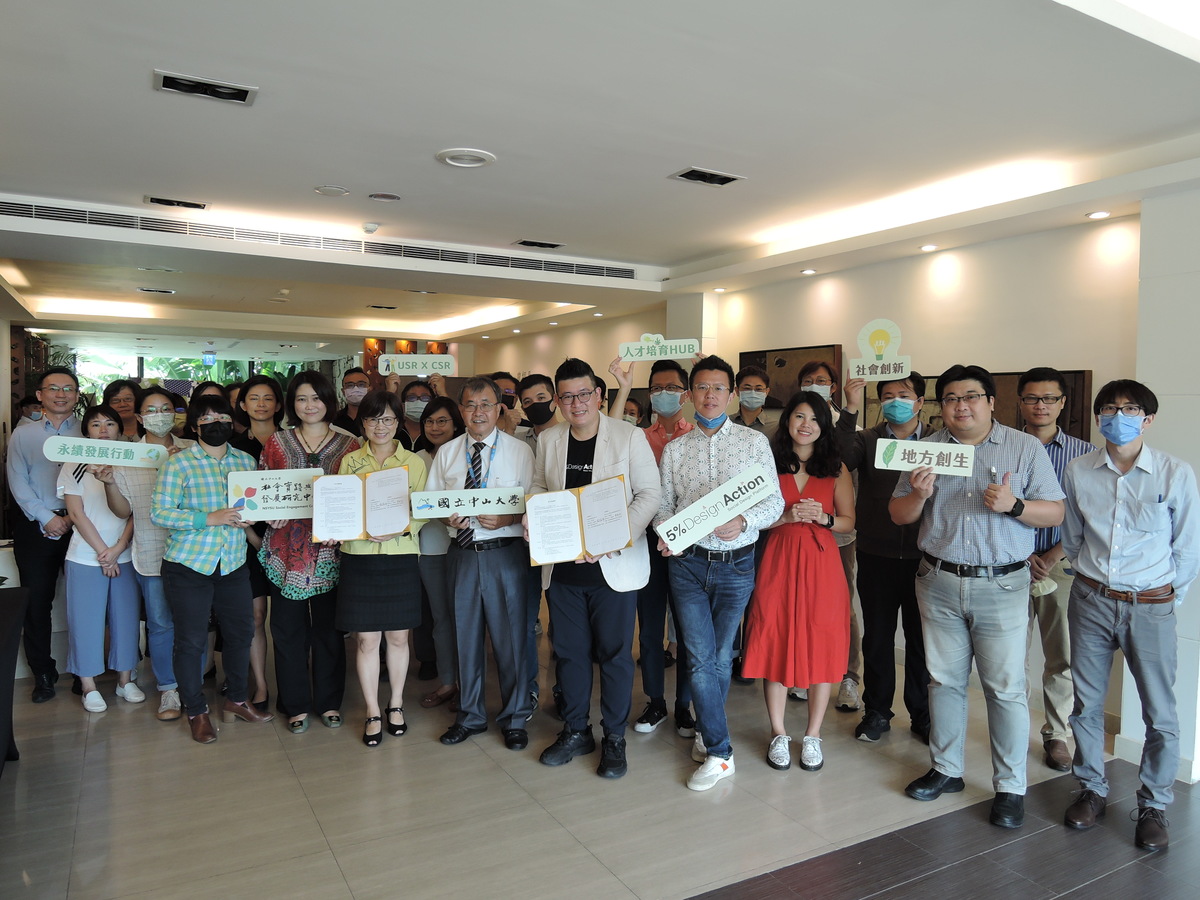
[[119, 804]]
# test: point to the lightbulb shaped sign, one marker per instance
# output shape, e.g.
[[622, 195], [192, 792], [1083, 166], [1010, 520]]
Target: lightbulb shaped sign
[[879, 341]]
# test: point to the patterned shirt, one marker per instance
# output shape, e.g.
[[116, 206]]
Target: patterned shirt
[[695, 464], [957, 527], [1062, 449], [191, 484], [136, 485]]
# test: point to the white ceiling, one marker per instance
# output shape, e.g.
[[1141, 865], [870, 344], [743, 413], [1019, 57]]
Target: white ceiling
[[827, 109]]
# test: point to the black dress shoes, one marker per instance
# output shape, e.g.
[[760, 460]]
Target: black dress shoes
[[1151, 833], [1083, 813], [43, 688], [516, 738], [932, 785], [456, 734], [1008, 810]]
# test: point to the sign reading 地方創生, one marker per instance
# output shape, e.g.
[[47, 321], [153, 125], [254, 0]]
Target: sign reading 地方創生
[[717, 507], [944, 459]]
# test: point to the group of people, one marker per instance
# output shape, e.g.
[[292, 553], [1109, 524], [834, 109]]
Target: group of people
[[1087, 549]]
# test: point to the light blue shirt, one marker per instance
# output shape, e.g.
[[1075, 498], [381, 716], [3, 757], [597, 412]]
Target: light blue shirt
[[1137, 531], [32, 478]]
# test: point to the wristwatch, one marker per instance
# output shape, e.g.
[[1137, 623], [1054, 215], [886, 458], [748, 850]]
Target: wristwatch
[[1018, 508], [828, 524], [745, 524]]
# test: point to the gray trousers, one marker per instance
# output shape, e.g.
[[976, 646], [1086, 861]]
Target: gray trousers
[[1145, 633]]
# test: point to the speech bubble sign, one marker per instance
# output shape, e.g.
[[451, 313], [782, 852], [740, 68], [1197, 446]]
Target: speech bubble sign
[[416, 364], [879, 341]]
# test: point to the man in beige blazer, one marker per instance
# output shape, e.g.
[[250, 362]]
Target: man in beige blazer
[[593, 601]]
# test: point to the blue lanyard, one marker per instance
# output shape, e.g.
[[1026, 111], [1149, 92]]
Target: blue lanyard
[[483, 478]]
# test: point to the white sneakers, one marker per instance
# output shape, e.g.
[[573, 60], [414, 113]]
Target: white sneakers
[[811, 757], [713, 770], [93, 702], [130, 693], [797, 693], [847, 698], [169, 706], [699, 751], [779, 754]]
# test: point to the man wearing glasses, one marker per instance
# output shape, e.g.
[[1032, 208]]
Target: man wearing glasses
[[711, 581], [976, 536], [593, 601], [489, 559], [42, 528], [355, 386], [1132, 531], [1043, 394]]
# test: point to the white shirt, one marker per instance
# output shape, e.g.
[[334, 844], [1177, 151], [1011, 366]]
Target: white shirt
[[75, 479], [510, 466]]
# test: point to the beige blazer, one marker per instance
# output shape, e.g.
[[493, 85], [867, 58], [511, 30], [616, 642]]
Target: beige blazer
[[621, 449]]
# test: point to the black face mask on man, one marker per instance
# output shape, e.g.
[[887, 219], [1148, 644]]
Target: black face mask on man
[[216, 434], [539, 413]]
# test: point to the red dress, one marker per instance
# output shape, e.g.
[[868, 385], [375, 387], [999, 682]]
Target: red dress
[[798, 627]]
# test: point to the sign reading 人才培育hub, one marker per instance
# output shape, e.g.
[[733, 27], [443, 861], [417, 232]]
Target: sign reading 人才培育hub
[[879, 341], [104, 453], [416, 364], [655, 346], [717, 507], [944, 459]]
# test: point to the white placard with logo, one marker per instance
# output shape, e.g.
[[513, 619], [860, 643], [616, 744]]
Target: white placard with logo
[[263, 496], [416, 364], [717, 507], [944, 459], [104, 453], [493, 501], [879, 341], [655, 346]]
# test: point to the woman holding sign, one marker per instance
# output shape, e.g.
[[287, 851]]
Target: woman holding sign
[[306, 573], [379, 592], [798, 627]]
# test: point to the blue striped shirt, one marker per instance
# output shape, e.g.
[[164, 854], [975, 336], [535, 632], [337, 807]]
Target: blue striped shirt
[[1062, 449]]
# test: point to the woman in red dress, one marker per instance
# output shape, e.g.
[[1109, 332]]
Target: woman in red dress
[[799, 622]]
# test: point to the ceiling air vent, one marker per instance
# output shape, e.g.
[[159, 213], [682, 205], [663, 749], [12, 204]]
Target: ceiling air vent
[[155, 291], [540, 245], [378, 306], [706, 176], [181, 204], [175, 83]]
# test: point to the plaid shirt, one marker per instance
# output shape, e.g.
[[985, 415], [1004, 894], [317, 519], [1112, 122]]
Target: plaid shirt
[[191, 484]]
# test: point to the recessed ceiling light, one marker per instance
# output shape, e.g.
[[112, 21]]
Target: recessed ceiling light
[[411, 291], [718, 290], [808, 271], [175, 83], [1099, 214], [279, 299], [465, 157], [553, 323], [516, 331], [384, 196], [331, 190], [710, 177], [486, 337], [928, 248], [598, 315], [289, 346]]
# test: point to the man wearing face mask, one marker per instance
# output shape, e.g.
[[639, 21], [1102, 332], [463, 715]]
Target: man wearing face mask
[[355, 386], [887, 556], [1132, 532], [753, 386], [31, 411]]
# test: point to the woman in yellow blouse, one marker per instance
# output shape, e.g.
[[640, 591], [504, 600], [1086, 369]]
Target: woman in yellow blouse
[[380, 588]]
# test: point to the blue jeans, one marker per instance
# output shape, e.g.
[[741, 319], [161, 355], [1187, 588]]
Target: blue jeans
[[710, 598], [160, 630], [93, 600], [985, 620]]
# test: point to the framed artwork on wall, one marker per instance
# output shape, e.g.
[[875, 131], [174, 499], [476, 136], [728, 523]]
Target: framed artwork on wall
[[784, 365]]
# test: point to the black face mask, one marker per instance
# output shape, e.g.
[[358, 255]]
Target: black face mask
[[215, 434], [539, 413], [508, 400]]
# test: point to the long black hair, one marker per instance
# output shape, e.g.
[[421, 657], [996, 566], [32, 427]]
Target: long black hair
[[826, 461]]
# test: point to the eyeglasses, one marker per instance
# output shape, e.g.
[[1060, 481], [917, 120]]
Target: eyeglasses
[[209, 419], [508, 393], [670, 389], [711, 388], [965, 398], [354, 384], [485, 406], [385, 421], [580, 397], [165, 408], [1129, 409], [820, 379], [439, 423], [60, 389], [1048, 400]]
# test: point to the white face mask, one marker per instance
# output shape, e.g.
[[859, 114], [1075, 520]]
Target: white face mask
[[354, 395], [824, 391], [632, 420], [159, 423]]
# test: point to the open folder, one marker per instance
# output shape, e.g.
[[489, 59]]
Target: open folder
[[360, 506], [586, 521]]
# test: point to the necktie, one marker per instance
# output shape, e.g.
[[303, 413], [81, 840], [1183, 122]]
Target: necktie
[[466, 537]]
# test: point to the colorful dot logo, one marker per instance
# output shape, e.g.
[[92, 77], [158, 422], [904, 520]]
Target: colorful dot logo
[[243, 498]]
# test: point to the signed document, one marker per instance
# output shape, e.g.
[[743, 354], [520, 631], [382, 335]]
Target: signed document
[[587, 521], [357, 507]]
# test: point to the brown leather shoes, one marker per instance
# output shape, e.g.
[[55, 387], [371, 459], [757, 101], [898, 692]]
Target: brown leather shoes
[[1083, 813], [438, 697], [1151, 833], [1058, 755], [244, 711], [202, 729]]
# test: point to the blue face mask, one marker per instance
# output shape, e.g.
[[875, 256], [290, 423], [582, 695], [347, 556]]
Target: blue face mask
[[1121, 429], [711, 423], [898, 411], [666, 403], [752, 399]]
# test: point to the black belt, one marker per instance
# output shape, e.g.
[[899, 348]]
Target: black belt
[[965, 571], [496, 544], [718, 555]]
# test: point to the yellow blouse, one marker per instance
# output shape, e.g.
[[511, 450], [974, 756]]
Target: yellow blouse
[[363, 460]]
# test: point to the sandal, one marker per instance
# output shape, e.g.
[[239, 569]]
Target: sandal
[[395, 730], [372, 740]]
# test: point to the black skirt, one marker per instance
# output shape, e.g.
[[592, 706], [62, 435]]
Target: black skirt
[[378, 593]]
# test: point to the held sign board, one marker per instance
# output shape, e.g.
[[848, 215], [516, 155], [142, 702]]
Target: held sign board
[[879, 341], [717, 507], [273, 493], [416, 364], [655, 346], [104, 453], [944, 459], [494, 501]]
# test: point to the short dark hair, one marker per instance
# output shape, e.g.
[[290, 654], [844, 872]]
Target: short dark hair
[[810, 368], [641, 408], [506, 376], [537, 379], [711, 364], [115, 387], [254, 381], [100, 410], [434, 406], [1042, 373], [826, 461], [205, 385], [753, 372], [913, 379], [478, 383], [376, 403], [155, 390], [668, 365], [56, 370], [207, 403], [320, 384], [959, 372], [573, 367], [410, 386], [1126, 387], [356, 370], [30, 400]]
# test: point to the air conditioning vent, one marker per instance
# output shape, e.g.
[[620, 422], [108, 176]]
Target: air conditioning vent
[[706, 176], [155, 291], [378, 306], [173, 82], [539, 245], [181, 204]]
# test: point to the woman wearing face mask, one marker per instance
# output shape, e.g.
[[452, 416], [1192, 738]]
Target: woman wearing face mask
[[100, 583], [414, 396], [634, 412], [441, 422], [305, 574], [122, 396], [129, 493]]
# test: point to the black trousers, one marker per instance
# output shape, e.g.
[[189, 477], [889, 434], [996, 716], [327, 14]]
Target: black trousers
[[887, 589], [593, 623], [39, 562], [193, 598], [298, 627]]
